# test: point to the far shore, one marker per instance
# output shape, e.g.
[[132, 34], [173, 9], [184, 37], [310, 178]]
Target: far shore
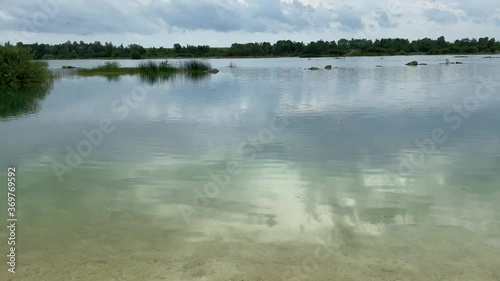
[[277, 57]]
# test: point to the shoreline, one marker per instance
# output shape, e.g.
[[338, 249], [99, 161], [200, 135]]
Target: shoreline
[[487, 55]]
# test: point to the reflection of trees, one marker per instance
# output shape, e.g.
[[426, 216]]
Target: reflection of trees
[[23, 101]]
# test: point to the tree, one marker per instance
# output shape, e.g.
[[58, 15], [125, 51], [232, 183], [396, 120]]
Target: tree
[[178, 48]]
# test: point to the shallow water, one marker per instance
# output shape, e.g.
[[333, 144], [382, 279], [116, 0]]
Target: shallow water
[[265, 171]]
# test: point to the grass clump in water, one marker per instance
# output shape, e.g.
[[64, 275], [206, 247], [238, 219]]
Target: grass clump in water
[[155, 68], [17, 68], [108, 68], [195, 66], [150, 71]]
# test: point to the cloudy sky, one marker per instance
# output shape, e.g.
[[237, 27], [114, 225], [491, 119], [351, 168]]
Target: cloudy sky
[[222, 22]]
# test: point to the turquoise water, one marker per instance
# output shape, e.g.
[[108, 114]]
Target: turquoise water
[[265, 171]]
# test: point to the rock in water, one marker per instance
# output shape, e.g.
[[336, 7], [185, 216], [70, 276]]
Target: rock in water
[[413, 63], [313, 68], [213, 71], [328, 67]]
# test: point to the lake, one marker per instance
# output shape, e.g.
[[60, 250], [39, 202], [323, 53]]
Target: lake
[[372, 170]]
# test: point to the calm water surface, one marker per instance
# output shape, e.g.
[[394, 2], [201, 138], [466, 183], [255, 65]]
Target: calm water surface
[[265, 171]]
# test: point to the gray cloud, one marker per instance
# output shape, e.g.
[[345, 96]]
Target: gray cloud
[[76, 17], [349, 19], [384, 20], [255, 16], [146, 18], [108, 16], [440, 16], [479, 10]]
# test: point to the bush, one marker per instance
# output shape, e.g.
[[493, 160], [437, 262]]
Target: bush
[[17, 68]]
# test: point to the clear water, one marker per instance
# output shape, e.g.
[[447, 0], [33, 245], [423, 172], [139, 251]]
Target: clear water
[[265, 171]]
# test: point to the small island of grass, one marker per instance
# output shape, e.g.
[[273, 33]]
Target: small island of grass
[[150, 69]]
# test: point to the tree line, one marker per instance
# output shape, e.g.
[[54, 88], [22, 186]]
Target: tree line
[[342, 47]]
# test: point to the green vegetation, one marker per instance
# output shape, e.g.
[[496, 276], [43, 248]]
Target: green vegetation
[[18, 70], [195, 66], [151, 71], [108, 69], [153, 68], [282, 48]]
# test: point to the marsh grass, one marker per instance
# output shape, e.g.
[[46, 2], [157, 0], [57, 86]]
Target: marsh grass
[[195, 66], [155, 68], [151, 71], [109, 68]]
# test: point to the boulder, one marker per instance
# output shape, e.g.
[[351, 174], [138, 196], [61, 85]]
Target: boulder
[[459, 62], [422, 64], [213, 71], [328, 67], [313, 68], [413, 63]]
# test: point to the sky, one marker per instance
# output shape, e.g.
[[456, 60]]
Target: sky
[[219, 23]]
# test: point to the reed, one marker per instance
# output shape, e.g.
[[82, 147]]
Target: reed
[[195, 66]]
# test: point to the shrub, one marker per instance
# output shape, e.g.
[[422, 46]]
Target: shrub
[[17, 68]]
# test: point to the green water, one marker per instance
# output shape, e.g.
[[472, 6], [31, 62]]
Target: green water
[[265, 171]]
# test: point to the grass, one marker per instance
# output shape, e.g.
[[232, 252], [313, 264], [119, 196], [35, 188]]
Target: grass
[[195, 66], [153, 68], [150, 71], [18, 70], [108, 68]]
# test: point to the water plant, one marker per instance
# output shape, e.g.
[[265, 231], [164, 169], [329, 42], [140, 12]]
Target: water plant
[[155, 68], [195, 66], [151, 71]]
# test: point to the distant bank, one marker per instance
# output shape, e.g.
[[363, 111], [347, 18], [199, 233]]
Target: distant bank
[[283, 48]]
